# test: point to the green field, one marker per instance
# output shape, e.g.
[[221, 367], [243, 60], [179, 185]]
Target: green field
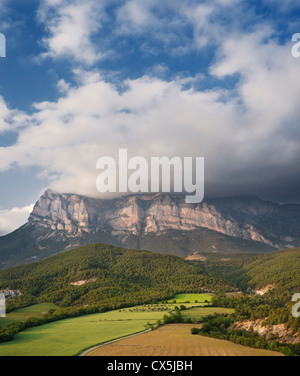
[[37, 310], [70, 336], [192, 298], [196, 313]]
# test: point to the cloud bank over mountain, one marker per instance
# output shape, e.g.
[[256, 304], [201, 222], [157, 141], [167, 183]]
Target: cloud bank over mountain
[[214, 79]]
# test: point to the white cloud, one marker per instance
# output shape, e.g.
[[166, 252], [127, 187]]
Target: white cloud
[[70, 26], [239, 131], [151, 117], [269, 84], [168, 23], [13, 218], [10, 120], [136, 14], [235, 130]]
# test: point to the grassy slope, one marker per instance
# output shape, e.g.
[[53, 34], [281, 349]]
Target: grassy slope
[[183, 298], [37, 310], [198, 312]]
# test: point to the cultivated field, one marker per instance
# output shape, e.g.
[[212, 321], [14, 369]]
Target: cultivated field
[[198, 312], [192, 298], [71, 336], [176, 340]]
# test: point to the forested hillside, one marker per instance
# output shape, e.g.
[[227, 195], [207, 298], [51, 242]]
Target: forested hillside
[[104, 274], [278, 271]]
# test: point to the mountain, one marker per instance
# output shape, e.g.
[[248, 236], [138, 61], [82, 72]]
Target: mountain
[[162, 223], [102, 274]]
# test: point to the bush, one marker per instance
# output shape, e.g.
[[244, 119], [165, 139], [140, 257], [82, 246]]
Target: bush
[[195, 331]]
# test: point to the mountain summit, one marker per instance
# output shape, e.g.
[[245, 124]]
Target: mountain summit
[[160, 222]]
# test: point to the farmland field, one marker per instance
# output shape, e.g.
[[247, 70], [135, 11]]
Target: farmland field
[[37, 310], [176, 340], [192, 298], [70, 336], [198, 312]]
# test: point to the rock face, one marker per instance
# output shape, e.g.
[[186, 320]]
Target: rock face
[[12, 293], [264, 290], [70, 216], [160, 223], [278, 332]]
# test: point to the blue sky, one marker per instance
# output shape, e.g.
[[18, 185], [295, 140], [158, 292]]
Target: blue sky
[[83, 79]]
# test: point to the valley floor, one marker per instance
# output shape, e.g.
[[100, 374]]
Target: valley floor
[[72, 336]]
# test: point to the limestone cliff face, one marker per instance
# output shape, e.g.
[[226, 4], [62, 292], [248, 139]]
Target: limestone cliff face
[[62, 213], [250, 218], [279, 331]]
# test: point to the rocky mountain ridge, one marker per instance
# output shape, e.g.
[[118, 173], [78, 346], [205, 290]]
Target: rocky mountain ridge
[[251, 219], [161, 223]]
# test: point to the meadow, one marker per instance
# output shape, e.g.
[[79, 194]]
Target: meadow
[[37, 310], [198, 312], [191, 298], [72, 336]]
